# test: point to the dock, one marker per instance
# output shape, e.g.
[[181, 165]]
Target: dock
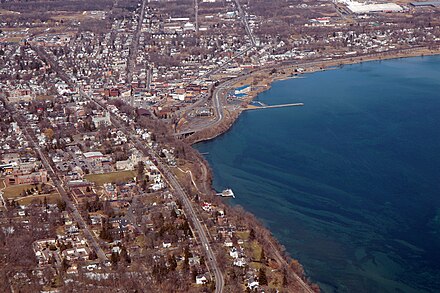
[[250, 107], [227, 193]]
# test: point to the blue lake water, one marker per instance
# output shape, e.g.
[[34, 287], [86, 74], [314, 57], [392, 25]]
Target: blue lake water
[[349, 183]]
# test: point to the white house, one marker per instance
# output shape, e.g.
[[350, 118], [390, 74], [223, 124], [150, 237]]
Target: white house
[[233, 252], [201, 279], [240, 262], [253, 284]]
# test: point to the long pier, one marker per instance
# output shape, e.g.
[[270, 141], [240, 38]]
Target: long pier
[[274, 106], [249, 107]]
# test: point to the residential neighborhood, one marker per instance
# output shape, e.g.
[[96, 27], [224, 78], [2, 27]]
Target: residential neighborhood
[[99, 105]]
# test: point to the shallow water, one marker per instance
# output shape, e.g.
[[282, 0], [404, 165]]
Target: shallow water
[[349, 183]]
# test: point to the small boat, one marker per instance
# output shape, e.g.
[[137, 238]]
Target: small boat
[[227, 193]]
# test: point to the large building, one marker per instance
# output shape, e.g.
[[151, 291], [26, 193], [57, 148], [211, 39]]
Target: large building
[[18, 178], [363, 8]]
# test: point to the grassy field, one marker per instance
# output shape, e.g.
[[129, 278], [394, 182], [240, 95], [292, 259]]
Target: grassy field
[[113, 177], [244, 235], [256, 253], [52, 198], [15, 191]]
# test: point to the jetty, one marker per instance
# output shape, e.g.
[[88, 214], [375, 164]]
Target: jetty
[[251, 107]]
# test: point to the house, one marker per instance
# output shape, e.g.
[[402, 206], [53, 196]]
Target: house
[[206, 206], [110, 190], [62, 87], [73, 270], [228, 242], [113, 92], [240, 262], [201, 279], [102, 119], [158, 186], [253, 283], [76, 253], [233, 252]]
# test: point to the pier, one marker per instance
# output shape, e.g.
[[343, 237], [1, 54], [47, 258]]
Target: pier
[[250, 107]]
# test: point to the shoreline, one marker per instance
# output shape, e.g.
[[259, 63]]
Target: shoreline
[[265, 77], [283, 73]]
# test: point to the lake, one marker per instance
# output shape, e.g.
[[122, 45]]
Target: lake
[[350, 182]]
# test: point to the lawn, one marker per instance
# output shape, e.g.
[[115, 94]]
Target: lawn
[[52, 198], [15, 190], [244, 235], [113, 177], [255, 249]]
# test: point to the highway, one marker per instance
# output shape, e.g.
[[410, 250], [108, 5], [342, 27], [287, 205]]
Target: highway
[[216, 95], [217, 107], [202, 231], [58, 183]]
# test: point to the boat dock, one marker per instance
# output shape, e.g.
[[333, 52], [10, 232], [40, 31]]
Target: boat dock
[[227, 193], [251, 107]]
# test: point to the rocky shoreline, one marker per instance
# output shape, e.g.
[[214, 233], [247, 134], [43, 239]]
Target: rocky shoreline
[[261, 81]]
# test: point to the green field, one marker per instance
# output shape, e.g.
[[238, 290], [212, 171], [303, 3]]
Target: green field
[[113, 177]]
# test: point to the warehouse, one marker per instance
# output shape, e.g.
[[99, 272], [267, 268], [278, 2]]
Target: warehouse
[[362, 8]]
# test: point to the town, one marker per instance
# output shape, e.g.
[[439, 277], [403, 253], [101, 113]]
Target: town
[[99, 105]]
